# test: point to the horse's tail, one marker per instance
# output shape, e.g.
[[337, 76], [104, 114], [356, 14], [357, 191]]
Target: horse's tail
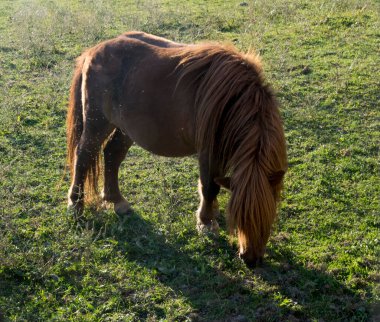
[[74, 120], [74, 129]]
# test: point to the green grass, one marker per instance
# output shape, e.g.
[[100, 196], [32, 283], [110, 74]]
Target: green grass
[[322, 260]]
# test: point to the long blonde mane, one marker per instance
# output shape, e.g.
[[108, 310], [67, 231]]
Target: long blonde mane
[[238, 124]]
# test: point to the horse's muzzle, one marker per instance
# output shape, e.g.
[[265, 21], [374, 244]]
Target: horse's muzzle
[[251, 261]]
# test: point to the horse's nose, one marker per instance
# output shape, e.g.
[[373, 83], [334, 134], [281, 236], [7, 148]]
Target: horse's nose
[[251, 261]]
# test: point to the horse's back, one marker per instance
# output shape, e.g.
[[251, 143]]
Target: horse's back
[[152, 39], [134, 76]]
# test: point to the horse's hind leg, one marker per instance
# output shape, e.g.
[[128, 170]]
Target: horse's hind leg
[[208, 190], [86, 154], [114, 153]]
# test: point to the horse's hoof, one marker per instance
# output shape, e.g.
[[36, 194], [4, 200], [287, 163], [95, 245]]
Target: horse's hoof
[[122, 208], [213, 227], [75, 208], [104, 205]]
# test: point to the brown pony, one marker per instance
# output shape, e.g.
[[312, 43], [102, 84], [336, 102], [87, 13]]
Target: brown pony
[[175, 100]]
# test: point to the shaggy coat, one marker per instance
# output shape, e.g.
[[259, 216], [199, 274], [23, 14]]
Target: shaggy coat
[[175, 100]]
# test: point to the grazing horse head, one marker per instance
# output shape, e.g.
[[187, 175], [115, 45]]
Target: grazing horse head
[[239, 125]]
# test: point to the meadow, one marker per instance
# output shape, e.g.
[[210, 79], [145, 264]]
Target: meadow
[[322, 261]]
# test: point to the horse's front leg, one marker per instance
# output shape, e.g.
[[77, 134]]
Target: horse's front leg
[[208, 190], [114, 153]]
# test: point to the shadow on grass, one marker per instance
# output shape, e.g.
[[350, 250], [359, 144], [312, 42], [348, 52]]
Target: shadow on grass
[[218, 288], [307, 293], [204, 274]]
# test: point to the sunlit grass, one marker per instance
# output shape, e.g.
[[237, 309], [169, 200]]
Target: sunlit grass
[[322, 259]]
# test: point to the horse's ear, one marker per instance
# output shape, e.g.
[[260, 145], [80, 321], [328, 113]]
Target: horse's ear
[[224, 182], [276, 177]]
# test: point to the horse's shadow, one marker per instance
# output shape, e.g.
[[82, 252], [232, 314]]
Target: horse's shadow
[[219, 287]]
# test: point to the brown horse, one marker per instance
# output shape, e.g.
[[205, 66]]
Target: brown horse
[[175, 100]]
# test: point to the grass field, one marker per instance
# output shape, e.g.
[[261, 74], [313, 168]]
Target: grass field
[[322, 262]]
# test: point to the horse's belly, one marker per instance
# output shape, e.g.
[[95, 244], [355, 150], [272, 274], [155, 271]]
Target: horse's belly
[[160, 138], [155, 114], [169, 149]]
